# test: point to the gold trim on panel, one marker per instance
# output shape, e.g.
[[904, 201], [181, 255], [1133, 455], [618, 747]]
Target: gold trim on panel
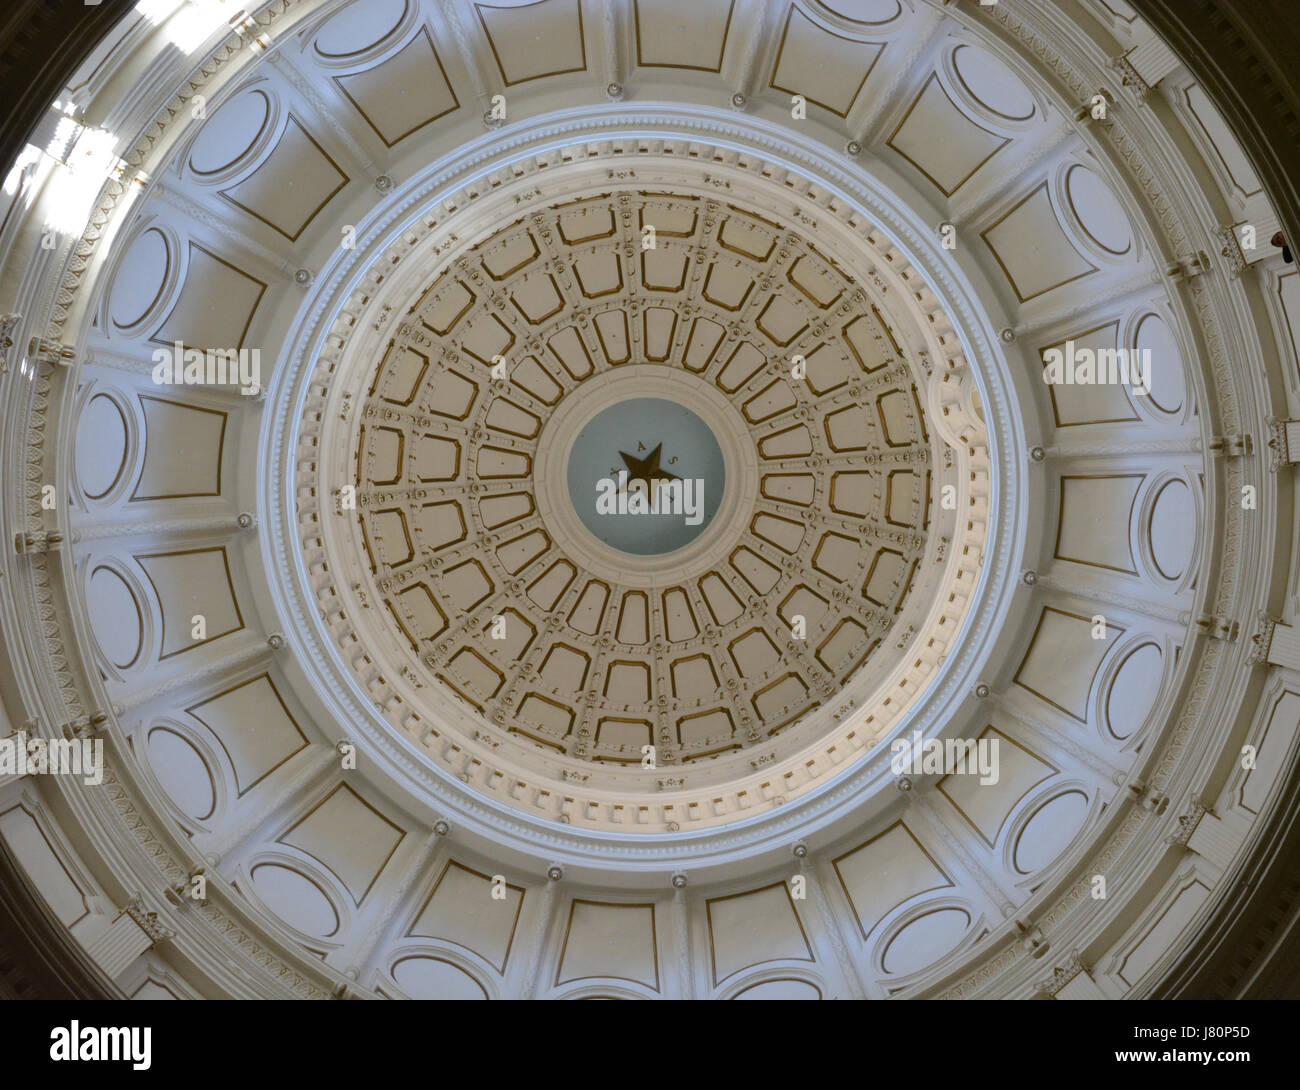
[[401, 835], [582, 41], [415, 919], [1110, 627], [835, 864], [722, 49], [776, 64], [226, 194], [1060, 515], [135, 496], [191, 710], [568, 928], [234, 599], [361, 71], [1002, 265], [889, 143], [713, 956], [1052, 771], [252, 313]]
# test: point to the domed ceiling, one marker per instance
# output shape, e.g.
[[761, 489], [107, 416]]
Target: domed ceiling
[[562, 350], [380, 637]]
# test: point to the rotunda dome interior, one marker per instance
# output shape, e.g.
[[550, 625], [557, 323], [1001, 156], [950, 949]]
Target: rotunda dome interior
[[643, 499]]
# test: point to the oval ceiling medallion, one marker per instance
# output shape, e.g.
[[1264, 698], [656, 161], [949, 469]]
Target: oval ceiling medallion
[[992, 84]]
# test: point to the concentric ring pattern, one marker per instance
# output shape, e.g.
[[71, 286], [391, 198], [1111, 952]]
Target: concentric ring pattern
[[357, 663]]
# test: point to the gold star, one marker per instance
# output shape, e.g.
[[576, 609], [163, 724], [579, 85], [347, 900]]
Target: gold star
[[646, 469]]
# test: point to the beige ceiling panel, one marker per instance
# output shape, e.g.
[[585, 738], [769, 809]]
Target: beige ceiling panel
[[183, 450], [466, 585], [435, 459], [461, 909], [782, 320], [837, 556], [518, 638], [215, 307], [818, 285], [587, 614], [419, 606], [720, 600], [598, 274], [444, 304], [1095, 520], [845, 648], [694, 679], [510, 252], [538, 298], [869, 342], [438, 525], [254, 726], [1092, 402], [292, 186], [628, 683], [757, 572], [402, 94], [621, 740], [749, 929], [802, 602], [826, 369], [670, 218], [633, 622], [535, 40], [349, 836], [905, 498], [728, 286], [383, 454], [782, 701], [544, 720], [1032, 248], [1065, 638], [754, 652], [743, 364], [388, 536], [854, 493], [614, 337], [682, 33], [796, 488], [884, 872], [564, 669], [828, 69], [679, 618], [586, 223], [742, 235], [986, 806], [850, 429], [193, 583], [568, 347], [943, 143], [610, 940], [547, 590], [706, 733], [885, 578], [659, 325], [899, 419], [475, 674]]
